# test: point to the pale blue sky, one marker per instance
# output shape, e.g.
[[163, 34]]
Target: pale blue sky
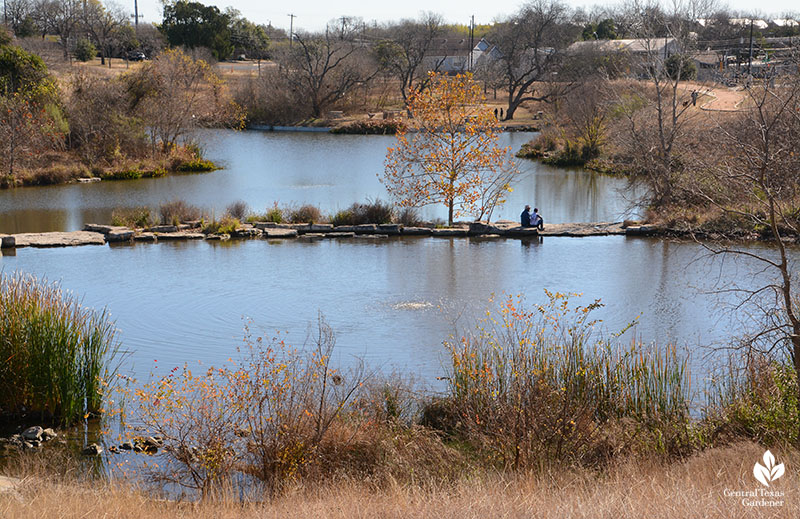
[[313, 14]]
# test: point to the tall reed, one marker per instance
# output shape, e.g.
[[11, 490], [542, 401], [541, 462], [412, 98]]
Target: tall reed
[[55, 352], [536, 384]]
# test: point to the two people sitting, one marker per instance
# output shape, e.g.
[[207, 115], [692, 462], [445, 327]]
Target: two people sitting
[[531, 220]]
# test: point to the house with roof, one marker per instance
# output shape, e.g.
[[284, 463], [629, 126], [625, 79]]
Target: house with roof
[[642, 54], [454, 55]]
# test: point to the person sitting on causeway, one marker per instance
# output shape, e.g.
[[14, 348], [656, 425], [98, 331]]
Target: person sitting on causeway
[[537, 220], [525, 217]]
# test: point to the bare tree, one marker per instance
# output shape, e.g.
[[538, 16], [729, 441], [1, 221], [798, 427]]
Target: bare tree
[[174, 94], [20, 17], [530, 44], [758, 183], [60, 17], [404, 53], [102, 22], [658, 112], [325, 68]]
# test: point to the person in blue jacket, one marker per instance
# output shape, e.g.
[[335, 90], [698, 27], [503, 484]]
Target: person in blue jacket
[[525, 217]]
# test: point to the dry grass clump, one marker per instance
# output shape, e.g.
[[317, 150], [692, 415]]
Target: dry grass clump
[[304, 214], [238, 210], [178, 211], [692, 489], [368, 212]]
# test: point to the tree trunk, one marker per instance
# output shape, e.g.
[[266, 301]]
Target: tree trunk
[[450, 213]]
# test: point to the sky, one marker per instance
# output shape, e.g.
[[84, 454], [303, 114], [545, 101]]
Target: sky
[[314, 14]]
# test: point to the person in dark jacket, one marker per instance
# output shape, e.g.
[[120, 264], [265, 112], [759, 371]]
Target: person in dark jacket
[[525, 217]]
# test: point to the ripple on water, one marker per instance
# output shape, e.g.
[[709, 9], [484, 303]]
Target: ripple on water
[[412, 305]]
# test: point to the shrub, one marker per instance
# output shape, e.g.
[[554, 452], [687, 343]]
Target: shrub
[[133, 217], [409, 217], [272, 414], [305, 214], [274, 214], [179, 211], [224, 226], [125, 174], [369, 127], [56, 353], [84, 50], [237, 210], [196, 166], [757, 400], [343, 217]]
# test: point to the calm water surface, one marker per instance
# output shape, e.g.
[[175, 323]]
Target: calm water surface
[[292, 168], [390, 302]]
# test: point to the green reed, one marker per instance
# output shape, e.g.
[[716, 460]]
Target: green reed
[[54, 353]]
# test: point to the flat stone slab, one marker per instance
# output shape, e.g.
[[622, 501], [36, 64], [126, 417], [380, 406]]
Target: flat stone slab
[[105, 229], [339, 235], [121, 235], [450, 232], [274, 232], [520, 232], [145, 236], [642, 230], [303, 228], [417, 231], [582, 229], [54, 239], [513, 229], [172, 236], [164, 228], [390, 228]]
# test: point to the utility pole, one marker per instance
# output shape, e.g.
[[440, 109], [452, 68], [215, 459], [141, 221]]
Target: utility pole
[[750, 60], [471, 39], [136, 14], [291, 29]]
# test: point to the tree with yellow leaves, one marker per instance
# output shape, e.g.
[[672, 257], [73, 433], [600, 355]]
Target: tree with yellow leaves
[[449, 154]]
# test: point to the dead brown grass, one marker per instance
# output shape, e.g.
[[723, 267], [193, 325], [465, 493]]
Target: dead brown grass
[[688, 490]]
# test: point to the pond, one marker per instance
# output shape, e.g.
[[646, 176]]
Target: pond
[[293, 168], [390, 302]]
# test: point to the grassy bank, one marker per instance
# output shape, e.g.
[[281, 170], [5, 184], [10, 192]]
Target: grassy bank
[[693, 489], [64, 167]]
